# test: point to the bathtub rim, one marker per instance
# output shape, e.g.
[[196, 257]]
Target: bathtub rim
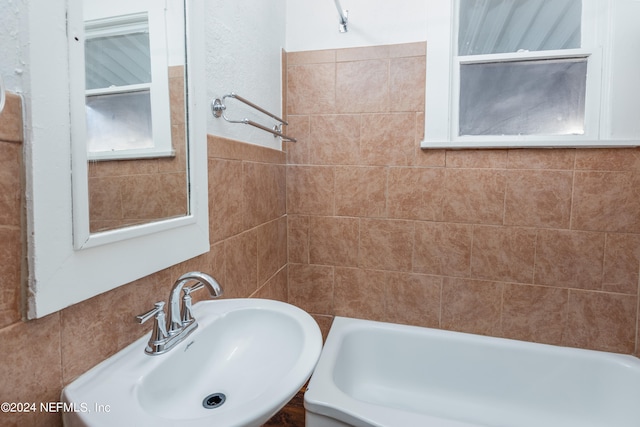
[[325, 398]]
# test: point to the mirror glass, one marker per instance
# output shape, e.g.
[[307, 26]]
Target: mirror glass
[[136, 136]]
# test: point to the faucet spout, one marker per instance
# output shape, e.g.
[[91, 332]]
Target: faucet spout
[[174, 320], [171, 330]]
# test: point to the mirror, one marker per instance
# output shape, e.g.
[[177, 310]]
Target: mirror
[[134, 74], [75, 250]]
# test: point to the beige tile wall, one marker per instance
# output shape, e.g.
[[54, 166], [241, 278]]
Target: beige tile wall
[[10, 209], [248, 258], [540, 245]]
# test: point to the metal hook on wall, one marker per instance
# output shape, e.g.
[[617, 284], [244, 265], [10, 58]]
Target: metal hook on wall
[[344, 17]]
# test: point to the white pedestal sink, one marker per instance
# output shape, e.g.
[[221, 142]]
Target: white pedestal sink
[[245, 361]]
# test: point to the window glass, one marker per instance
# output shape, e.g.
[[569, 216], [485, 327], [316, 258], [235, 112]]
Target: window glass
[[536, 97], [119, 121], [501, 26], [117, 60], [119, 86]]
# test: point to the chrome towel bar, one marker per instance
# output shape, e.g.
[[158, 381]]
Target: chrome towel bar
[[218, 107]]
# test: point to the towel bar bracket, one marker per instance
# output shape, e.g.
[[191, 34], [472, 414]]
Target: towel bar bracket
[[217, 107]]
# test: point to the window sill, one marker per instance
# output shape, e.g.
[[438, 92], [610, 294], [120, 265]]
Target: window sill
[[515, 143], [129, 155]]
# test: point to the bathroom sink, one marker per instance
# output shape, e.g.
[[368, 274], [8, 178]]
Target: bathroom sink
[[244, 362]]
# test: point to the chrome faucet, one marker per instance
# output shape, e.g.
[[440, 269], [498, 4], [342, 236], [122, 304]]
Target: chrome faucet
[[170, 330]]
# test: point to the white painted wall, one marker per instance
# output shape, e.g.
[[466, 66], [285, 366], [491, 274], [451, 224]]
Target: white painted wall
[[313, 24], [244, 41], [243, 45], [13, 43], [243, 55]]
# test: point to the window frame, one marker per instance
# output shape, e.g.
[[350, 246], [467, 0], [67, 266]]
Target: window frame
[[443, 67], [158, 87]]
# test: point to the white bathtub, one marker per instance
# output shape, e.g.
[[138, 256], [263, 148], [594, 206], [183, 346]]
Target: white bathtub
[[388, 375]]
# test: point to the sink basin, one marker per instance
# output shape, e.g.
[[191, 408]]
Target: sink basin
[[244, 362]]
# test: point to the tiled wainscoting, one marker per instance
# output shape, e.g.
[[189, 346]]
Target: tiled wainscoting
[[539, 245], [356, 220]]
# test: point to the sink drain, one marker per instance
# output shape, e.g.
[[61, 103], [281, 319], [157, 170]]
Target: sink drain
[[214, 400]]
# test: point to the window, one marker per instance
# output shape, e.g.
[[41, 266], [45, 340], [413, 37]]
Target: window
[[522, 73], [523, 97], [126, 90]]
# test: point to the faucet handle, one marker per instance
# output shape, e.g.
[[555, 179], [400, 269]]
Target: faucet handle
[[159, 307], [187, 316], [159, 333]]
